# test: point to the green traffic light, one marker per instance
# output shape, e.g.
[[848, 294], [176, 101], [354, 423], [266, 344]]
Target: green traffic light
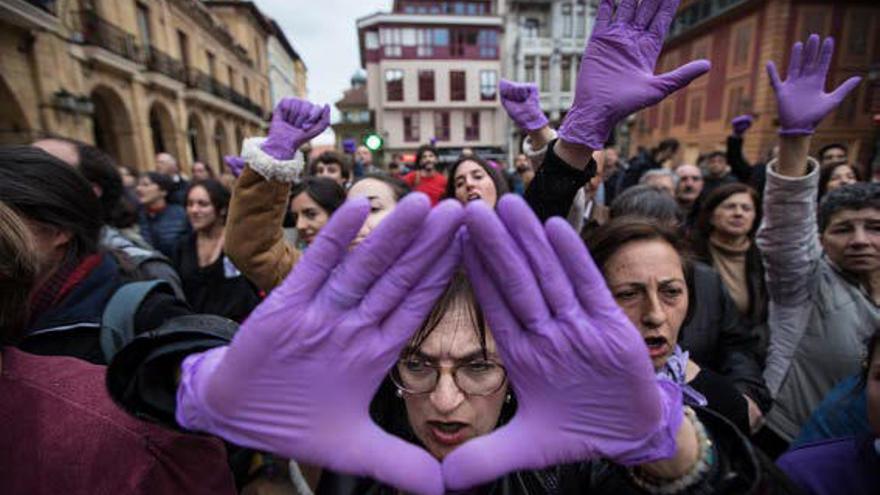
[[373, 142]]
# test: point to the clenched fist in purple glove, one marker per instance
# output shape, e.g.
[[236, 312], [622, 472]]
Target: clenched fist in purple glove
[[294, 121], [522, 104], [585, 386], [802, 99], [617, 69], [298, 378], [741, 124]]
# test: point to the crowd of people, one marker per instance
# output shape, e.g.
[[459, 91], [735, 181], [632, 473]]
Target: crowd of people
[[577, 323]]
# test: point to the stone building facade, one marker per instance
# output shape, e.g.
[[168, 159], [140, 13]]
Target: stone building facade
[[183, 76], [739, 37], [287, 71]]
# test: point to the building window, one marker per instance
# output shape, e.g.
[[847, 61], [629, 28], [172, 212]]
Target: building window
[[531, 28], [394, 85], [392, 41], [566, 74], [580, 19], [411, 126], [530, 69], [424, 43], [488, 42], [472, 126], [488, 85], [426, 85], [734, 102], [457, 91], [246, 87], [566, 20], [742, 43], [461, 39], [230, 73], [143, 21], [371, 40], [441, 126], [857, 30], [212, 64], [696, 113], [545, 74], [813, 21], [183, 45]]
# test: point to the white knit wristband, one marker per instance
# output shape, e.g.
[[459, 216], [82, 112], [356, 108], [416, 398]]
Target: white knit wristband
[[270, 168]]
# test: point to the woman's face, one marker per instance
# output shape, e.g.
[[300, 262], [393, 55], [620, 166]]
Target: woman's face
[[200, 171], [128, 180], [872, 390], [382, 202], [199, 209], [310, 217], [647, 281], [446, 417], [148, 192], [842, 175], [735, 215], [332, 171], [473, 182]]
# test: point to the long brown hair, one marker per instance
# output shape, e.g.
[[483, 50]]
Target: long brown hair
[[18, 272]]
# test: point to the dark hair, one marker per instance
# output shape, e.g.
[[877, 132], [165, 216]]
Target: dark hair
[[423, 148], [856, 196], [827, 171], [398, 187], [617, 233], [832, 146], [43, 188], [327, 193], [163, 181], [207, 168], [218, 195], [331, 157], [18, 273], [669, 144], [497, 179], [646, 201], [703, 227], [712, 154]]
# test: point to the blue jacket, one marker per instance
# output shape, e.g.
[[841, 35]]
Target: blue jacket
[[164, 229]]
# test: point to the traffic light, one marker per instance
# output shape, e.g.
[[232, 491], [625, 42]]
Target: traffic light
[[373, 141]]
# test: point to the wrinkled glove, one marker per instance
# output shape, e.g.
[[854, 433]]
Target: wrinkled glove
[[294, 121], [582, 376], [298, 377], [617, 69], [235, 163], [741, 124], [522, 104], [802, 99]]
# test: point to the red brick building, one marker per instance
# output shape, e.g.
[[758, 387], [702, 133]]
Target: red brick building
[[739, 37]]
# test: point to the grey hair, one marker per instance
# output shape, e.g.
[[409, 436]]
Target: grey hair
[[660, 172], [856, 196], [647, 201]]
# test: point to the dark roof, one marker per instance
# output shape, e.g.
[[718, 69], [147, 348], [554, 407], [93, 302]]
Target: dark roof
[[354, 97]]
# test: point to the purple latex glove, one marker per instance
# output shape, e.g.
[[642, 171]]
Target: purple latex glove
[[522, 104], [294, 121], [298, 377], [741, 124], [235, 163], [617, 69], [582, 376], [802, 99]]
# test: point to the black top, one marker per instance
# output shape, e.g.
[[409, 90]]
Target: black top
[[217, 289]]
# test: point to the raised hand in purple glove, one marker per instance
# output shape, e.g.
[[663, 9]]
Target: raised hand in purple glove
[[522, 104], [583, 381], [235, 163], [802, 99], [298, 377], [617, 69], [294, 121], [741, 124]]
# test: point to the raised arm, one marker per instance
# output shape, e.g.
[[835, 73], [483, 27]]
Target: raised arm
[[739, 166], [254, 227]]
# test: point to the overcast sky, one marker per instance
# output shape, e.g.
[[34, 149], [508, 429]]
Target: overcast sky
[[323, 32]]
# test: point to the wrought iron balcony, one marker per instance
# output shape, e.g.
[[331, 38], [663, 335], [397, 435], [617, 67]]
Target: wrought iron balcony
[[98, 31], [197, 79], [161, 62]]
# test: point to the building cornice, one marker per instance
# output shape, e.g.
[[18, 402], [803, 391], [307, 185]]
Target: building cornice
[[380, 18]]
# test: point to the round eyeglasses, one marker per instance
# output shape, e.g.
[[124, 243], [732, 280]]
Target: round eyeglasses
[[415, 376]]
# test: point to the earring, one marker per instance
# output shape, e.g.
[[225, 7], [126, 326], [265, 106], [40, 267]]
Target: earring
[[399, 393], [508, 398]]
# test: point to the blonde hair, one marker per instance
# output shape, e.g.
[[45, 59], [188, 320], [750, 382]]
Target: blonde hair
[[18, 273]]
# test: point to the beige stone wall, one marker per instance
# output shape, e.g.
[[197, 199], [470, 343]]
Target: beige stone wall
[[37, 63]]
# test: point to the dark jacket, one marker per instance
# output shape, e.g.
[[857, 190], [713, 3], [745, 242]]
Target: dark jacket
[[217, 289], [556, 183], [849, 466], [717, 338], [163, 230], [753, 175]]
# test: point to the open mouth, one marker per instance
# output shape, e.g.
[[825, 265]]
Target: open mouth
[[448, 432], [473, 196], [657, 345]]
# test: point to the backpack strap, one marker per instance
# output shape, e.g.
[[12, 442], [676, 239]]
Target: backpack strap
[[117, 322]]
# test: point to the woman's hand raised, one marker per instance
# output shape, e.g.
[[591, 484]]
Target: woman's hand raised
[[298, 378], [583, 380]]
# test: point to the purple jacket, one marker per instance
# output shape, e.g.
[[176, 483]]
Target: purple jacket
[[842, 465]]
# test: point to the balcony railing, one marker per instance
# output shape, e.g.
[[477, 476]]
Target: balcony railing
[[197, 79], [161, 62], [99, 32]]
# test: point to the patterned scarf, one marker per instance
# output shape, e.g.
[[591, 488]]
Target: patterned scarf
[[674, 370]]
